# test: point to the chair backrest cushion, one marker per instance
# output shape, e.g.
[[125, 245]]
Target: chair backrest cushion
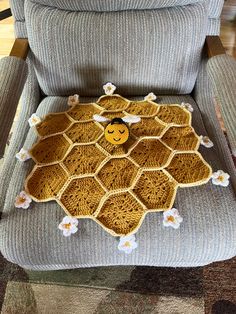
[[139, 50], [112, 5], [214, 8]]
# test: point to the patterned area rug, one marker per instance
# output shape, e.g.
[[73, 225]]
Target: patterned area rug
[[119, 290]]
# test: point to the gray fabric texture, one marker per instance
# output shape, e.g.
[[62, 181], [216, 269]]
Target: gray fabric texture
[[214, 6], [17, 6], [20, 29], [113, 5], [31, 238], [139, 51], [29, 102], [213, 27], [13, 74], [222, 71], [204, 96]]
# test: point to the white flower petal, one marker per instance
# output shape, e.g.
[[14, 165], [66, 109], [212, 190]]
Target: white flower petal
[[22, 200], [216, 174], [175, 225], [215, 181], [187, 106], [166, 223], [66, 232], [170, 212], [227, 176], [171, 218], [73, 229], [130, 240], [66, 220], [205, 141], [68, 225], [74, 221], [128, 250], [150, 97], [34, 120], [225, 183], [60, 226], [135, 245], [23, 155], [26, 205], [220, 178], [73, 100], [109, 88]]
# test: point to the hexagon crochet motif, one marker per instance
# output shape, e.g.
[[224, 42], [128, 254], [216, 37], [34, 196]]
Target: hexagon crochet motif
[[115, 185]]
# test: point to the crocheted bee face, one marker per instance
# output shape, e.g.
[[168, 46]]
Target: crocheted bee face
[[117, 131]]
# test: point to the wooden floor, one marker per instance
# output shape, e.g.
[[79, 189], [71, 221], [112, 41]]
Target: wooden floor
[[6, 31], [228, 29]]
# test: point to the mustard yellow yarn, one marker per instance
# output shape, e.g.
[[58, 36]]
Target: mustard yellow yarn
[[115, 185]]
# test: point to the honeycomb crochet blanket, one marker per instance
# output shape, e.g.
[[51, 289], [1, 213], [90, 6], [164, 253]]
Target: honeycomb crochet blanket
[[115, 185]]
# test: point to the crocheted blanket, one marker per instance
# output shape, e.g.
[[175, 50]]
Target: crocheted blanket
[[115, 185]]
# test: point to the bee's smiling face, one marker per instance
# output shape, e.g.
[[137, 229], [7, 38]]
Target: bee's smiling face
[[116, 133]]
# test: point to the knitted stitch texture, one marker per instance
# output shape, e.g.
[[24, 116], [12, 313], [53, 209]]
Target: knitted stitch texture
[[115, 185]]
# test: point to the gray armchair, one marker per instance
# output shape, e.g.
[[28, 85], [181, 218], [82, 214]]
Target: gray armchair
[[169, 47]]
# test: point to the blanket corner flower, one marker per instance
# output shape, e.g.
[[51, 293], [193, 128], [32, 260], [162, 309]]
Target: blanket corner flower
[[68, 225], [127, 244]]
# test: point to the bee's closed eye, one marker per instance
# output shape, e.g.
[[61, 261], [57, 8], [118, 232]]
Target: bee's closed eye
[[110, 132], [122, 132]]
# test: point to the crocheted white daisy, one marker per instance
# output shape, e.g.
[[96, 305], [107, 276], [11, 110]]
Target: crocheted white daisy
[[205, 141], [23, 155], [68, 225], [220, 178], [73, 100], [172, 218], [187, 106], [34, 120], [22, 200], [127, 244], [109, 88], [150, 97]]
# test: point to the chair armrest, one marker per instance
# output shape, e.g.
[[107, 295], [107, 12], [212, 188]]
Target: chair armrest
[[20, 48], [222, 73], [13, 74], [214, 46]]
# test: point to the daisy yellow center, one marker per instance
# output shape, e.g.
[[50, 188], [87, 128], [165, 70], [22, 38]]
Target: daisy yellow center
[[67, 226], [221, 178], [22, 200], [170, 219], [127, 244]]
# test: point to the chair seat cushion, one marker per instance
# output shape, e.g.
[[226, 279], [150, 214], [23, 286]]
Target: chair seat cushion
[[30, 237]]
